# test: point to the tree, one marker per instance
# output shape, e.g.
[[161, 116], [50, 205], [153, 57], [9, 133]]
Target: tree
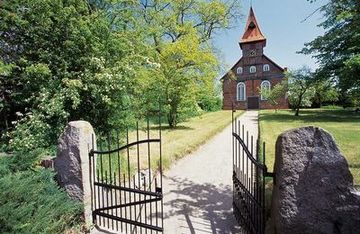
[[180, 32], [324, 92], [338, 50], [301, 88], [69, 60]]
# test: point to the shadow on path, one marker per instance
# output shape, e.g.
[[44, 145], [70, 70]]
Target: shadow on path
[[201, 208]]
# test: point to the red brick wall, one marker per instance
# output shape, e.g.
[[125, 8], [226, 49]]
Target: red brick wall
[[252, 83]]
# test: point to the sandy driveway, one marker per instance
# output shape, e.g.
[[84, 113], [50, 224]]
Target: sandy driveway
[[198, 188]]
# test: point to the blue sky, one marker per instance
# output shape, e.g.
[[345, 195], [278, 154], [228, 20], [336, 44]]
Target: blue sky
[[280, 22]]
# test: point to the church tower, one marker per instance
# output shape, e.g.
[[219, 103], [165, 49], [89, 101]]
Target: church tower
[[252, 73], [253, 41]]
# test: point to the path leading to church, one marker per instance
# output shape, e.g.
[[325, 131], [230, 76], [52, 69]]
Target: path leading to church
[[198, 188]]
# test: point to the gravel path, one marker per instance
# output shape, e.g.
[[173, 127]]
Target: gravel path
[[198, 188]]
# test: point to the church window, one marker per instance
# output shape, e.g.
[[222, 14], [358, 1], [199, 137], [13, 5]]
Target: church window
[[266, 67], [252, 69], [241, 91], [239, 70], [265, 85]]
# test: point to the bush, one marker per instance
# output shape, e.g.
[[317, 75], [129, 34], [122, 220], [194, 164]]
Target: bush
[[31, 201]]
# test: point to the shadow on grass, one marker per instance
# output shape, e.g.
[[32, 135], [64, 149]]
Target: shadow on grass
[[204, 208], [308, 115], [354, 165], [167, 127]]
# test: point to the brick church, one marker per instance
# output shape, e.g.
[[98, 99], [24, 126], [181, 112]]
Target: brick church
[[252, 72]]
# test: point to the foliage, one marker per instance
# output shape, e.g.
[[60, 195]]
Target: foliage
[[179, 32], [104, 62], [30, 200], [338, 50], [324, 92], [273, 95], [300, 88], [62, 61]]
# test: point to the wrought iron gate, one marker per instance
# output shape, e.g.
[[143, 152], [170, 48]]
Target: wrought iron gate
[[126, 181], [249, 172]]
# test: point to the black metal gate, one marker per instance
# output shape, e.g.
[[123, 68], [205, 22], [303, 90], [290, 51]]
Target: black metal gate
[[249, 172], [126, 181]]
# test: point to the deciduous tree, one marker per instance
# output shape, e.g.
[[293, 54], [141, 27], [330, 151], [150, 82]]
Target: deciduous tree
[[300, 88], [338, 50], [180, 32]]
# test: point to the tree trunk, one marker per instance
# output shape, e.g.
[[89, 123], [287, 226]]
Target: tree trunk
[[172, 116], [172, 120], [299, 104]]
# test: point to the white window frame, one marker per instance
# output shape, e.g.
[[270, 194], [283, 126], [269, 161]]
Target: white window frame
[[262, 86], [239, 70], [238, 93], [266, 67], [253, 69]]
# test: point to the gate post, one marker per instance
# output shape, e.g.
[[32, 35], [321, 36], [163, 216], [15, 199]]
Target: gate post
[[72, 163]]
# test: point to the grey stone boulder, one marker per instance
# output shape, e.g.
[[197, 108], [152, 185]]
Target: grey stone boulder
[[313, 189], [72, 162]]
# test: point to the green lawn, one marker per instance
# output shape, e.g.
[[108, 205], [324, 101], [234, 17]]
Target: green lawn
[[344, 125]]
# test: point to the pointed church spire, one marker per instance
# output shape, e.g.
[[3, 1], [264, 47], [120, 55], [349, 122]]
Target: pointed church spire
[[252, 30]]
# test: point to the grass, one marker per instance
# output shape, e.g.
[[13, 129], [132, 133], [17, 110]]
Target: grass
[[344, 125]]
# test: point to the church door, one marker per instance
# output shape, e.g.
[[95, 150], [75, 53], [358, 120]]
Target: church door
[[253, 102]]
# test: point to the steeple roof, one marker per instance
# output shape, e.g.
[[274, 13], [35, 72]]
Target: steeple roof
[[252, 30]]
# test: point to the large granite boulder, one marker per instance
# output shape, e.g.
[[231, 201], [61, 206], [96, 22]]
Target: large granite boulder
[[72, 162], [313, 189]]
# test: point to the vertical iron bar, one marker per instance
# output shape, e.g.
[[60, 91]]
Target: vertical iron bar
[[243, 155], [161, 169], [138, 169], [98, 189], [156, 208], [251, 181], [239, 152], [232, 131], [116, 197], [126, 225], [149, 161], [107, 197], [102, 180], [134, 184], [236, 146], [263, 195], [119, 179], [247, 180], [110, 180], [128, 171]]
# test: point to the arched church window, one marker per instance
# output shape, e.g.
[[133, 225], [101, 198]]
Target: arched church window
[[252, 69], [241, 91], [266, 67], [239, 70], [265, 86]]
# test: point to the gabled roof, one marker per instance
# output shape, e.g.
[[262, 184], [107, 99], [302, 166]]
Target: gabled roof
[[252, 30], [275, 64], [227, 73]]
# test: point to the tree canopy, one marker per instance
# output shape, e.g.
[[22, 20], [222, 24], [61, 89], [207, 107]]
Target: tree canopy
[[104, 61], [338, 50]]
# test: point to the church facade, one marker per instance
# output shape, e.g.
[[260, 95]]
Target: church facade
[[254, 71]]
